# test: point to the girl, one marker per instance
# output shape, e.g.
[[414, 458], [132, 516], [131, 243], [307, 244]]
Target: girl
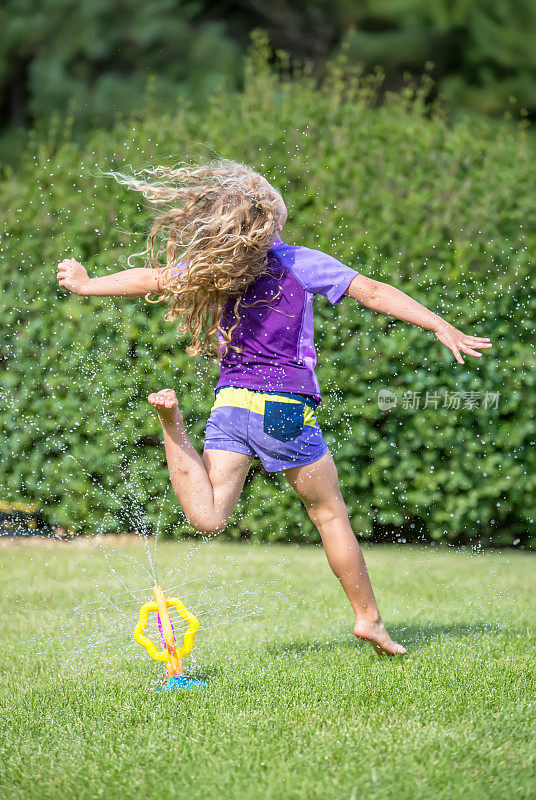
[[245, 297]]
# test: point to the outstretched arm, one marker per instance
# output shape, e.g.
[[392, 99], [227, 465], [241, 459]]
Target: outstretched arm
[[73, 277], [386, 299]]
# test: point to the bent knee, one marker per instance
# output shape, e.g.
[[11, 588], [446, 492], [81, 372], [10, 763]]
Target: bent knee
[[328, 511], [207, 525]]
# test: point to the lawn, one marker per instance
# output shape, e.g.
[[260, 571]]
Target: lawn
[[296, 707]]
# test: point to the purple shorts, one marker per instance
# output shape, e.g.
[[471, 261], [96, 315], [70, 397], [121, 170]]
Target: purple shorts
[[280, 429]]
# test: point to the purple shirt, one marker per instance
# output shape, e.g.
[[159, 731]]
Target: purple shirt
[[275, 333]]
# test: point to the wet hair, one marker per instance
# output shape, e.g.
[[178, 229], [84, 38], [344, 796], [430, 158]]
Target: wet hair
[[220, 220]]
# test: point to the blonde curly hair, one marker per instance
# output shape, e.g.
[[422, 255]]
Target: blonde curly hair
[[220, 219]]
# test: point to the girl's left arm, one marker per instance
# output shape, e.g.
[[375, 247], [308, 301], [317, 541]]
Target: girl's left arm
[[386, 299]]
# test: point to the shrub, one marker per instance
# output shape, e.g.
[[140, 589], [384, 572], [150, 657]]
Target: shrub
[[443, 211]]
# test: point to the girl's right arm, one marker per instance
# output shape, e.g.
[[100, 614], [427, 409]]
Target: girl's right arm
[[73, 277], [388, 299]]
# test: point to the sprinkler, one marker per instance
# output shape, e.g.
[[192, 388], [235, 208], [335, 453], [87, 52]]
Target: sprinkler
[[171, 655]]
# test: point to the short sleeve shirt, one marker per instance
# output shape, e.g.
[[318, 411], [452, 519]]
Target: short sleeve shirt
[[275, 332], [274, 336]]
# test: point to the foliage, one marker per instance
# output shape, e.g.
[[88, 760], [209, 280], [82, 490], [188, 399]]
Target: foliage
[[97, 57], [482, 52], [443, 211]]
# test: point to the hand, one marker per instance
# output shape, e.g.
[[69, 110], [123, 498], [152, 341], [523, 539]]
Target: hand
[[72, 276], [455, 340]]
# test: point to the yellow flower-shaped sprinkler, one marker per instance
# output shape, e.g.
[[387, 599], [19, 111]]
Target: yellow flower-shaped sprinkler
[[171, 655]]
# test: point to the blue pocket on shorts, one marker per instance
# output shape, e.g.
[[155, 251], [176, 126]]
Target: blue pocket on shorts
[[283, 421]]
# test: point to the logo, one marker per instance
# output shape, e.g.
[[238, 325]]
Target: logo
[[386, 400]]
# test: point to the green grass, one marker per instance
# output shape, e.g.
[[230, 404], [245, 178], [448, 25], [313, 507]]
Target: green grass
[[296, 708]]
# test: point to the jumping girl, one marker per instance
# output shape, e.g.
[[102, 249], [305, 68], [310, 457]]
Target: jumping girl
[[246, 298]]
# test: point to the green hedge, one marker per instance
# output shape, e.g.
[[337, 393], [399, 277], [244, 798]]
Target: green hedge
[[443, 211]]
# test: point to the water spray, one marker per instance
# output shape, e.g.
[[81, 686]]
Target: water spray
[[171, 655]]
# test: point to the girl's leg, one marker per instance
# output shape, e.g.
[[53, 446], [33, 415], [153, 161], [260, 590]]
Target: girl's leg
[[207, 488], [317, 485]]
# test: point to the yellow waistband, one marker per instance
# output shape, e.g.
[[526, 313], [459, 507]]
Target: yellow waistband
[[237, 397]]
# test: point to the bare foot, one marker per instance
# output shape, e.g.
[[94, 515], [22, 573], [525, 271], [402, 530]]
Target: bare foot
[[375, 632], [166, 403]]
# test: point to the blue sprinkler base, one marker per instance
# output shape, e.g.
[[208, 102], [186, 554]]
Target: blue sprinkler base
[[182, 682]]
